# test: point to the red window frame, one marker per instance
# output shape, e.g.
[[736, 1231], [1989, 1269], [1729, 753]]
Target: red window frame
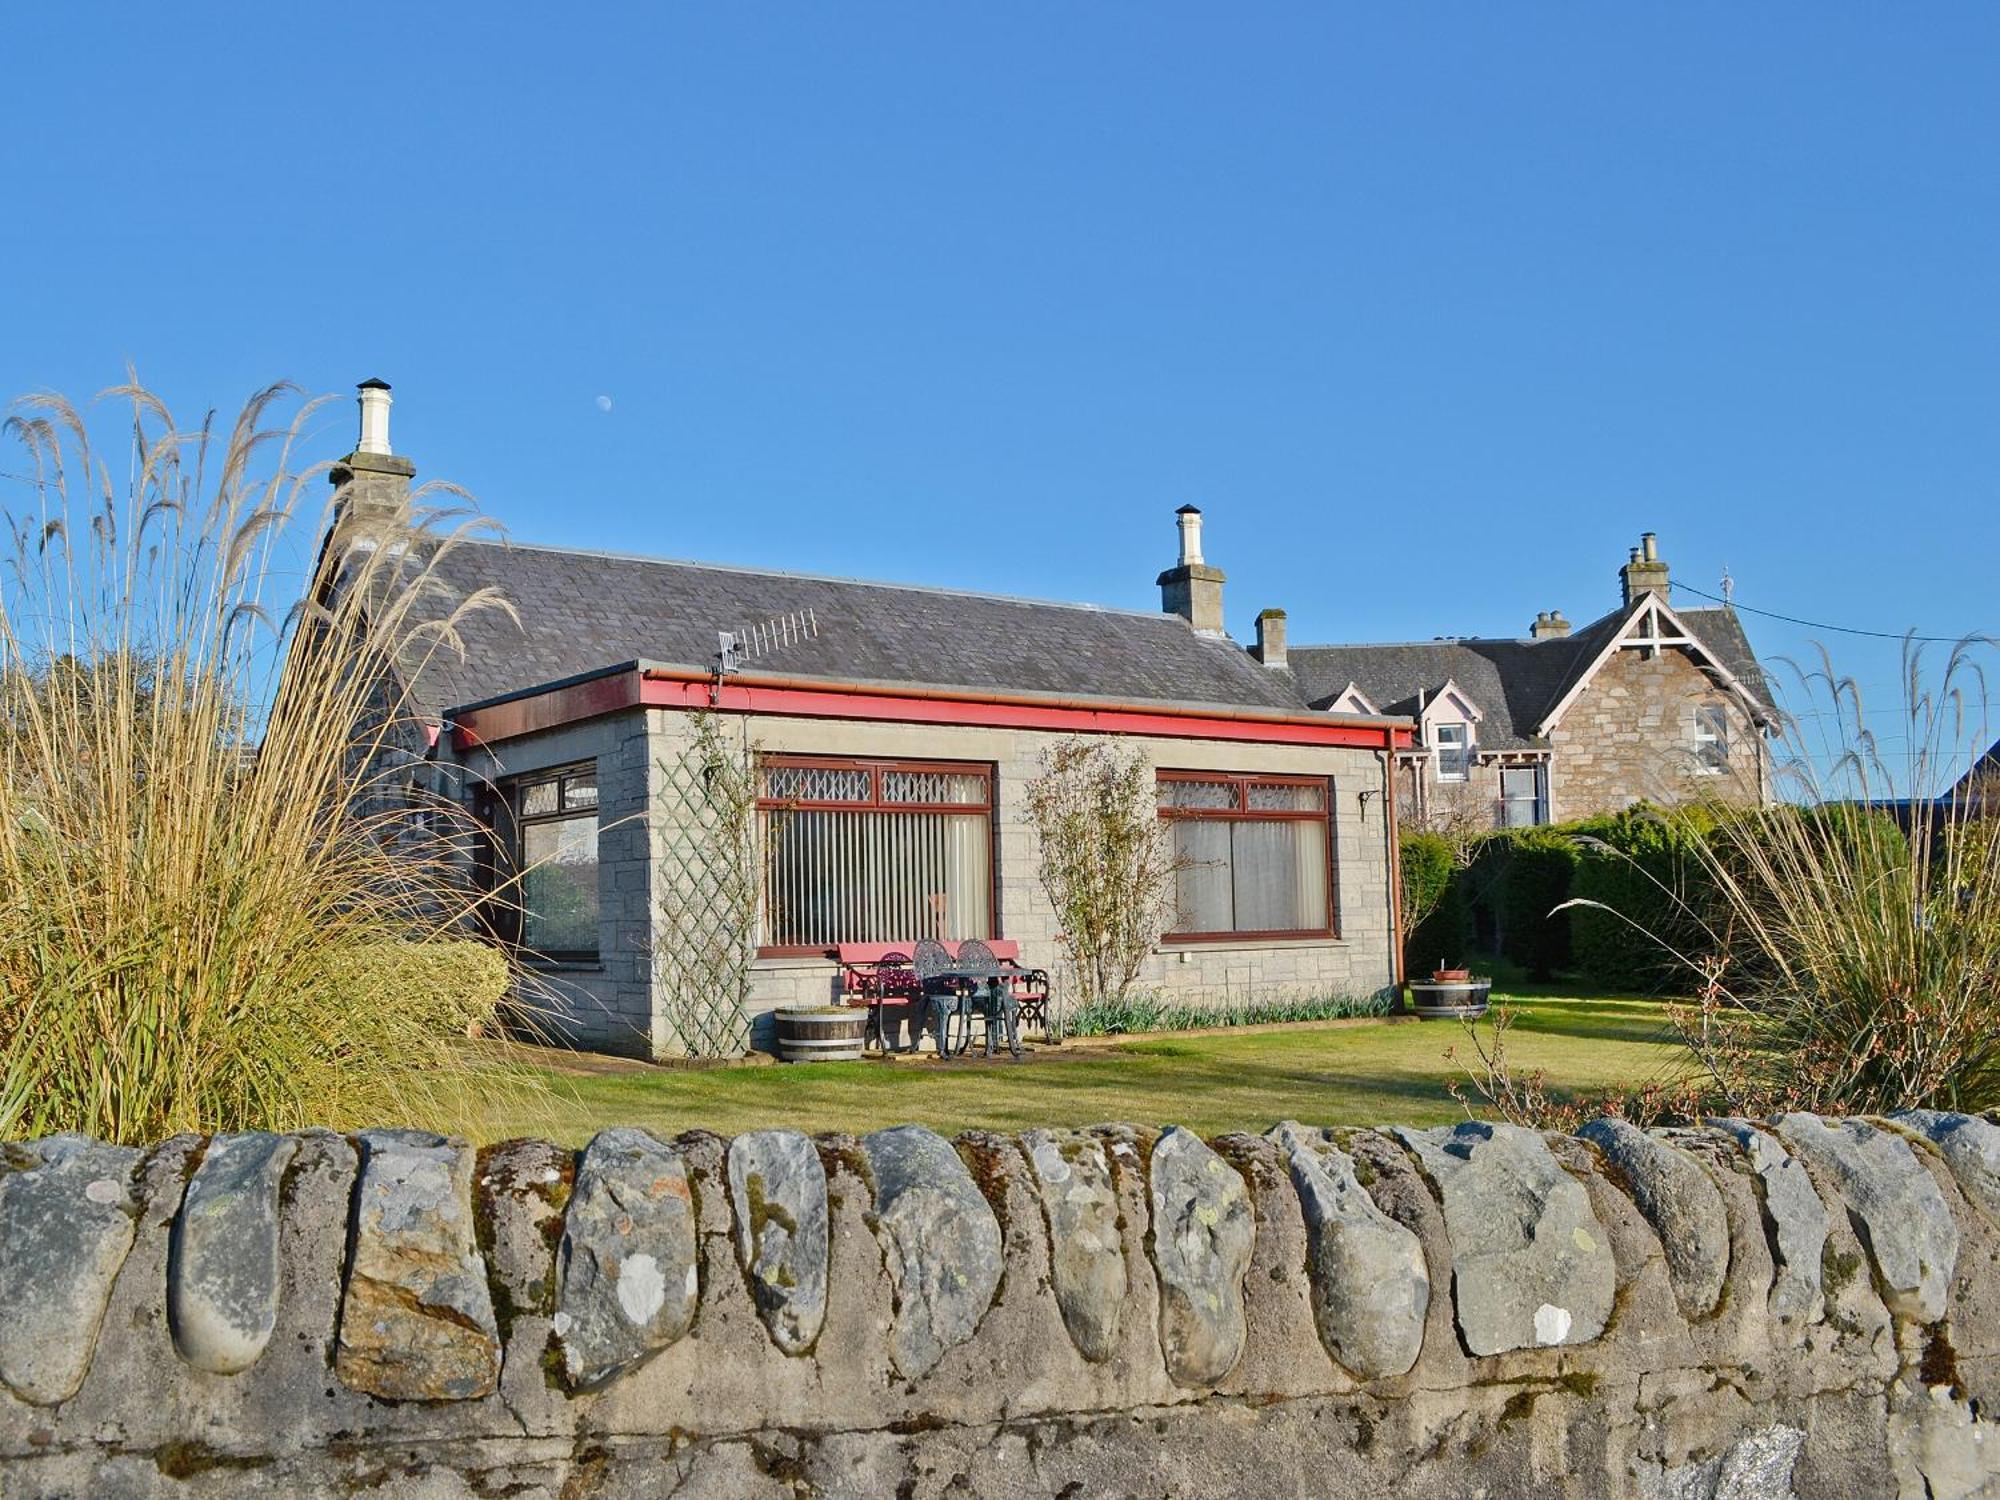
[[1242, 812], [876, 801]]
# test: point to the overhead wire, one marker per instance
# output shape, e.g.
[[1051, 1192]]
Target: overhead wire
[[1880, 635]]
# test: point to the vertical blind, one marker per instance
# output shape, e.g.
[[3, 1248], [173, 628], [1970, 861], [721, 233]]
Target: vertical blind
[[1253, 854], [860, 852]]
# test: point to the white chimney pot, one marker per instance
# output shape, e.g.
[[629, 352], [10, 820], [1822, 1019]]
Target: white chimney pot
[[374, 419], [1190, 520]]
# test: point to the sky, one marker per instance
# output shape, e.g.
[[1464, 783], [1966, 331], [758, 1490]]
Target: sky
[[1431, 309]]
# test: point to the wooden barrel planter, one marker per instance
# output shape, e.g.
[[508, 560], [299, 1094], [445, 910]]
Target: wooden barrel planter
[[1459, 998], [821, 1033]]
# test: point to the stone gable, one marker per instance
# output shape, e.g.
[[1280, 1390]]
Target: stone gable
[[1630, 736]]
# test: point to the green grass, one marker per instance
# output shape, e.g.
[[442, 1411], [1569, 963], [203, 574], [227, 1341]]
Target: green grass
[[1374, 1073]]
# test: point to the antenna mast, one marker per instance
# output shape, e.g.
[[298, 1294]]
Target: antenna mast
[[734, 648]]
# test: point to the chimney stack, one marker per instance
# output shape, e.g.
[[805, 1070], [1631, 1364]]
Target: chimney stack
[[1549, 625], [372, 482], [1193, 590], [1270, 647], [1645, 573]]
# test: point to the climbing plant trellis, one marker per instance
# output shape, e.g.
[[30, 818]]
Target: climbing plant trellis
[[706, 935]]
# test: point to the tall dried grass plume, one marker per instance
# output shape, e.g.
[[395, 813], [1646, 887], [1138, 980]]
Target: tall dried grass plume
[[223, 893]]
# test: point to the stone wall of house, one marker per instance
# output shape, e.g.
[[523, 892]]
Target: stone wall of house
[[1800, 1307], [606, 1005], [1630, 736], [1357, 962]]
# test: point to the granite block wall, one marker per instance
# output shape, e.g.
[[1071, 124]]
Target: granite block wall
[[1791, 1307]]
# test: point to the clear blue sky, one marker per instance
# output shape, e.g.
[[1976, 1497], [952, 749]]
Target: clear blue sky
[[1432, 309]]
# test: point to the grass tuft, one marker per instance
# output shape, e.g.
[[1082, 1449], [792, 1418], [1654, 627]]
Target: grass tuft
[[226, 884]]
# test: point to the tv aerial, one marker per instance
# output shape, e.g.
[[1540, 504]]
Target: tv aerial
[[735, 649]]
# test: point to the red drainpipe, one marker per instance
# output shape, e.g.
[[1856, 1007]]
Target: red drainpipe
[[1395, 859]]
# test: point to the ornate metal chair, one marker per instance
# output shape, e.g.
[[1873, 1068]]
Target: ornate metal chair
[[932, 962], [1000, 1003]]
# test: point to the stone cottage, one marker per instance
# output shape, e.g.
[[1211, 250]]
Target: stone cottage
[[896, 730], [1649, 701]]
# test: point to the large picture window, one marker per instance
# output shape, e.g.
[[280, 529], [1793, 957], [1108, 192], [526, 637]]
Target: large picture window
[[859, 851], [1255, 854], [555, 824]]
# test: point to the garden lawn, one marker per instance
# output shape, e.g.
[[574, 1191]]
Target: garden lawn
[[1364, 1074]]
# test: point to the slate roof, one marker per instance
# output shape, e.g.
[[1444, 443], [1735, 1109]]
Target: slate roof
[[1979, 776], [1514, 682], [1721, 630], [585, 611]]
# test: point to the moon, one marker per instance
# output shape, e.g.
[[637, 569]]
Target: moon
[[604, 403]]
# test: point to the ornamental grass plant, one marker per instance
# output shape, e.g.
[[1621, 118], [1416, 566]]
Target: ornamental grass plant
[[1844, 946], [226, 890]]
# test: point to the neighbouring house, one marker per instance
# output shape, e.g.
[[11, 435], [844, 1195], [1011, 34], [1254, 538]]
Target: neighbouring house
[[1978, 790], [897, 730], [1648, 702]]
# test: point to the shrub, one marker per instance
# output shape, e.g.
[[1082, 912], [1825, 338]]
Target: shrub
[[1107, 861], [219, 906], [466, 980], [1437, 924]]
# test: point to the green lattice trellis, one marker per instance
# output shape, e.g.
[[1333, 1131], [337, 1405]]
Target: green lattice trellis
[[706, 936]]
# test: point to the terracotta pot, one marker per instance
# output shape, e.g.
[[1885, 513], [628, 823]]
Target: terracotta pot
[[1451, 976]]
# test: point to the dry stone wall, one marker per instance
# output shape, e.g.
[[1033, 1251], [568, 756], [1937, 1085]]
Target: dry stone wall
[[1746, 1309]]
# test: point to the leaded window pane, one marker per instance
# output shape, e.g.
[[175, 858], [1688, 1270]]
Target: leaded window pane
[[784, 783], [1268, 797], [931, 787], [1185, 792]]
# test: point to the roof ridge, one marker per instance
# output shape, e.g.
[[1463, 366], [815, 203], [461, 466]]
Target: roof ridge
[[612, 555], [1442, 640]]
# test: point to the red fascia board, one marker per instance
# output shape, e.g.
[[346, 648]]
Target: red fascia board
[[810, 703], [794, 699]]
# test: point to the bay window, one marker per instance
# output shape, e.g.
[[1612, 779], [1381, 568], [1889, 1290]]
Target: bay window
[[1255, 854], [864, 851]]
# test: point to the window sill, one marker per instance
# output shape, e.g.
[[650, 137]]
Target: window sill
[[1246, 943], [562, 965], [772, 962]]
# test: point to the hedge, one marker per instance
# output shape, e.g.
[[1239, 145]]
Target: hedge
[[1431, 873], [1535, 880], [1650, 889]]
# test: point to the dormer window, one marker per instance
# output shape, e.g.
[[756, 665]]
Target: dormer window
[[1454, 750], [1711, 739]]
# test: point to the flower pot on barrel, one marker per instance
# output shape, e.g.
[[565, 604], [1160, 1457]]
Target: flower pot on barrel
[[1453, 993]]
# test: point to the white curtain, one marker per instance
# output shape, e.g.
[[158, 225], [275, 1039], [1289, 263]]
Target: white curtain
[[1252, 875]]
